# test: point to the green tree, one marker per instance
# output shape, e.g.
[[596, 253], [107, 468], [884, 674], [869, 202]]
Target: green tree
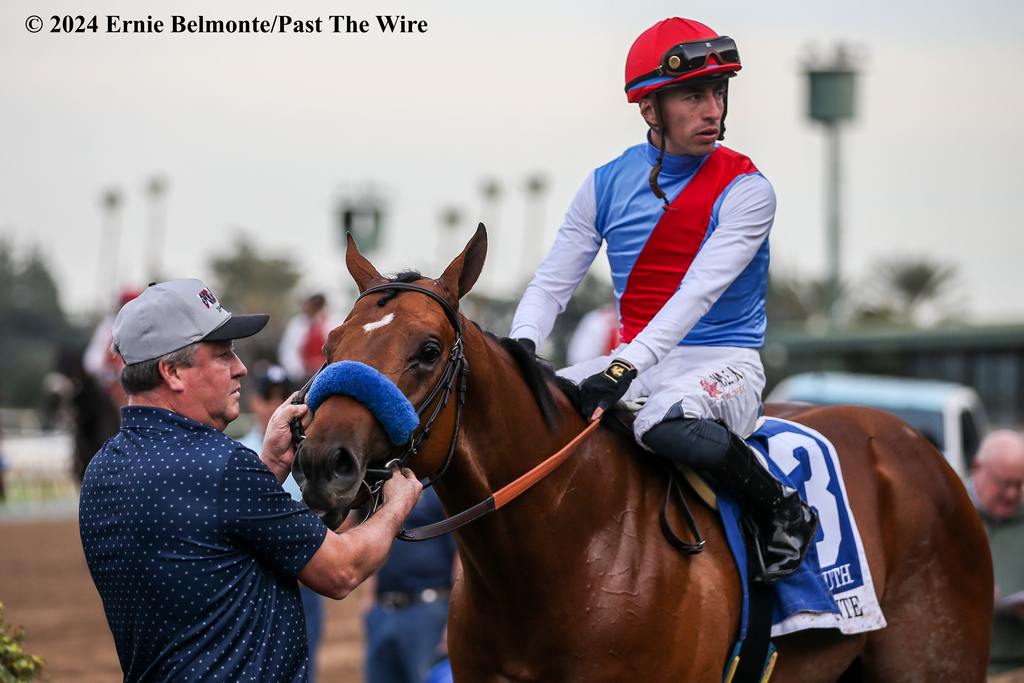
[[796, 302], [16, 665], [32, 325], [914, 291], [495, 314], [249, 281]]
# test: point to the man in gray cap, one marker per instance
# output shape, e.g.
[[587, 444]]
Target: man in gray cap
[[192, 543]]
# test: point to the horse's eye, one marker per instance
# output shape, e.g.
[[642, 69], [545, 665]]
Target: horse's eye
[[429, 353]]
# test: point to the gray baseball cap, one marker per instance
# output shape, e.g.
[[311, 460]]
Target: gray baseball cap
[[170, 315]]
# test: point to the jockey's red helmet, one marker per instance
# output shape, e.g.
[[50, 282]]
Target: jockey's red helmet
[[676, 50]]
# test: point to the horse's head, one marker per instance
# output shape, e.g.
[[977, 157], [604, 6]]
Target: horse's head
[[409, 337]]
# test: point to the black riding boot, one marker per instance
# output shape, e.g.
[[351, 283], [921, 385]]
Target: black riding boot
[[786, 526]]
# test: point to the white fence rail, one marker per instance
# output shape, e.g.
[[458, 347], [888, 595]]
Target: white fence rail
[[37, 479], [42, 453]]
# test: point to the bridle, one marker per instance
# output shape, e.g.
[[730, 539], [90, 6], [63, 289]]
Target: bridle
[[453, 378]]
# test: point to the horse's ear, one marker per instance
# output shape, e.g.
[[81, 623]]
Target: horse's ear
[[462, 273], [359, 266]]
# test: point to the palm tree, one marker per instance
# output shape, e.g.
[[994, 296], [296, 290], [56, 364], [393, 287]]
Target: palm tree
[[797, 302], [910, 290], [110, 244], [156, 187], [248, 279], [449, 220], [536, 186], [491, 191]]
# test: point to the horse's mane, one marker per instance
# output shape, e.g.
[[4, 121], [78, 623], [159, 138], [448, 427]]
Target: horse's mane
[[406, 276], [535, 371]]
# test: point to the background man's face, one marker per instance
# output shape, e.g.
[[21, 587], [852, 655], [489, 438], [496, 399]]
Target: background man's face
[[999, 486]]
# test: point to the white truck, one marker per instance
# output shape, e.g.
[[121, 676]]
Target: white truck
[[950, 415]]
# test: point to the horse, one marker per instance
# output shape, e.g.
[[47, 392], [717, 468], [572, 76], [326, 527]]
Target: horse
[[95, 416], [573, 581]]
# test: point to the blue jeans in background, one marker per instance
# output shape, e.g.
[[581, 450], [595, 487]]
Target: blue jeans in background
[[313, 609], [402, 644]]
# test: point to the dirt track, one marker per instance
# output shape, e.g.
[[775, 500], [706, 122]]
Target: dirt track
[[45, 587]]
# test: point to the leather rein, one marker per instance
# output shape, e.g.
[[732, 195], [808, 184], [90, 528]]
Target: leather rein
[[453, 378]]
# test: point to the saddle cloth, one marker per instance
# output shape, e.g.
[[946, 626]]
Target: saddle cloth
[[833, 587]]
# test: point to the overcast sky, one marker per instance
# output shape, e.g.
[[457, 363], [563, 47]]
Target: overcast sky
[[263, 133]]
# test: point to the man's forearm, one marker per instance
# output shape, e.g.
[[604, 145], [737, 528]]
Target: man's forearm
[[345, 560], [368, 545]]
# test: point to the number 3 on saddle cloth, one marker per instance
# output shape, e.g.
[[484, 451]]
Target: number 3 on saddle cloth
[[833, 587]]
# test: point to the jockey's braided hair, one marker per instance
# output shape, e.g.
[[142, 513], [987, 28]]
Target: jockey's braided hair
[[662, 130]]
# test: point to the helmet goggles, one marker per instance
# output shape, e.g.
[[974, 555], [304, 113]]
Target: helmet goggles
[[690, 57]]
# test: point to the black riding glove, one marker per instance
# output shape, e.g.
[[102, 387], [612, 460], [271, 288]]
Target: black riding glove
[[604, 389]]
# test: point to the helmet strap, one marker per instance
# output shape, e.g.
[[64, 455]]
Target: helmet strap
[[725, 110], [662, 130]]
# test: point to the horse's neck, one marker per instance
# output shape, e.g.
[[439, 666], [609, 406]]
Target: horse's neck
[[503, 436]]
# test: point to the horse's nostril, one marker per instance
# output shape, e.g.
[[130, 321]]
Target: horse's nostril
[[345, 466]]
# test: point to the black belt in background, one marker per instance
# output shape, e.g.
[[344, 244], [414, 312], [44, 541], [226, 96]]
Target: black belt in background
[[397, 600]]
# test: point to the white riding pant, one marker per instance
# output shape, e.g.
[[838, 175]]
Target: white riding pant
[[718, 382]]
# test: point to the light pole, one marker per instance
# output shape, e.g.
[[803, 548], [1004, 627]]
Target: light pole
[[362, 213], [831, 100]]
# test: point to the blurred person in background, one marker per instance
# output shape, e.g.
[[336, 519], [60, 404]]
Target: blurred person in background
[[75, 398], [996, 487], [100, 360], [301, 350], [407, 602], [194, 547], [3, 461], [596, 334], [686, 223], [270, 389]]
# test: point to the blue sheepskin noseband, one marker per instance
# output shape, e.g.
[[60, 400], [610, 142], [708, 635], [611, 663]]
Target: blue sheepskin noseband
[[371, 388]]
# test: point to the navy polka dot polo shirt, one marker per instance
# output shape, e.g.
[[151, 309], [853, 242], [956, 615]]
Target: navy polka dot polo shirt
[[194, 548]]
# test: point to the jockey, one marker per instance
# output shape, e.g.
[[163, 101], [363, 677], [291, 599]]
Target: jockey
[[686, 223]]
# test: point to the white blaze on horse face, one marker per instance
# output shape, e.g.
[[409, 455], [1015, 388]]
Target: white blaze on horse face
[[370, 327]]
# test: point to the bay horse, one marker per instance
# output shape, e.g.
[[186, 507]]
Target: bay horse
[[573, 581], [95, 416]]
